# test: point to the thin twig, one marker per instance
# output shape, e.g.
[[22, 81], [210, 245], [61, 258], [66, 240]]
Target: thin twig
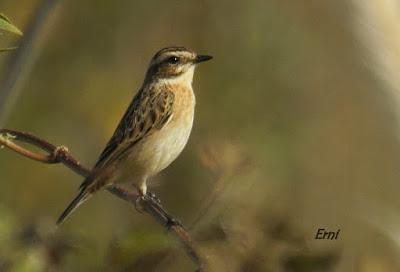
[[60, 154]]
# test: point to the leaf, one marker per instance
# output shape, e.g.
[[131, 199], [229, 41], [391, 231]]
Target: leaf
[[8, 49], [6, 25]]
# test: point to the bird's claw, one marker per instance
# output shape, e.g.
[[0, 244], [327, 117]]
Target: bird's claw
[[149, 197], [152, 196]]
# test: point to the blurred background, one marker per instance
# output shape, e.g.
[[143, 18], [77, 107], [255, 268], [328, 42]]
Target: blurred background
[[296, 129]]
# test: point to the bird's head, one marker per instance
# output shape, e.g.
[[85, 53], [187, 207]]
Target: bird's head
[[174, 63]]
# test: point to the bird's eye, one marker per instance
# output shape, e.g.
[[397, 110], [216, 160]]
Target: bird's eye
[[173, 60]]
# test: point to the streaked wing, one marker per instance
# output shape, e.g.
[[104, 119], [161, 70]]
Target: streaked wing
[[149, 111]]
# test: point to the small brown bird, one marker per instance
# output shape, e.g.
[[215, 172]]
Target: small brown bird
[[154, 129]]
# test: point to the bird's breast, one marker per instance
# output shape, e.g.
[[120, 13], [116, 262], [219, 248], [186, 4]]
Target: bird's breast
[[175, 134], [163, 146]]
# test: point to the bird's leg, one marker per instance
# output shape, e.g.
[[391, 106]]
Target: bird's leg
[[142, 196]]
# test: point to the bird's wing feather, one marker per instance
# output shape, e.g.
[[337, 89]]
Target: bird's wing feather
[[149, 111]]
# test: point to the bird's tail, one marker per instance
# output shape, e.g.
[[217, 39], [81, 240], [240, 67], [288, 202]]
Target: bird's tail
[[78, 200]]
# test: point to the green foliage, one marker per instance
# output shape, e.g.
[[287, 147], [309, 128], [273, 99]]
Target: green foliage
[[7, 25], [8, 48]]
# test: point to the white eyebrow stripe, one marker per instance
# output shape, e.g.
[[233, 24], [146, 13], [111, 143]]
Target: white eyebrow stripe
[[166, 55]]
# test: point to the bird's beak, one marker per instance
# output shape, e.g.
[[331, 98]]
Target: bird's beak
[[201, 58]]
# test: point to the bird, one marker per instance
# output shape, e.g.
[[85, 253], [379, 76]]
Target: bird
[[153, 130]]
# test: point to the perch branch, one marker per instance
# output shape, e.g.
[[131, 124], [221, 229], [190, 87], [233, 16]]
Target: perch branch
[[60, 154]]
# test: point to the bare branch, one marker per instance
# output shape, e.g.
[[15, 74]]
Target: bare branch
[[60, 154]]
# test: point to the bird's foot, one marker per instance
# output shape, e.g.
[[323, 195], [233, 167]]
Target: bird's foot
[[148, 197], [152, 196], [152, 199]]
